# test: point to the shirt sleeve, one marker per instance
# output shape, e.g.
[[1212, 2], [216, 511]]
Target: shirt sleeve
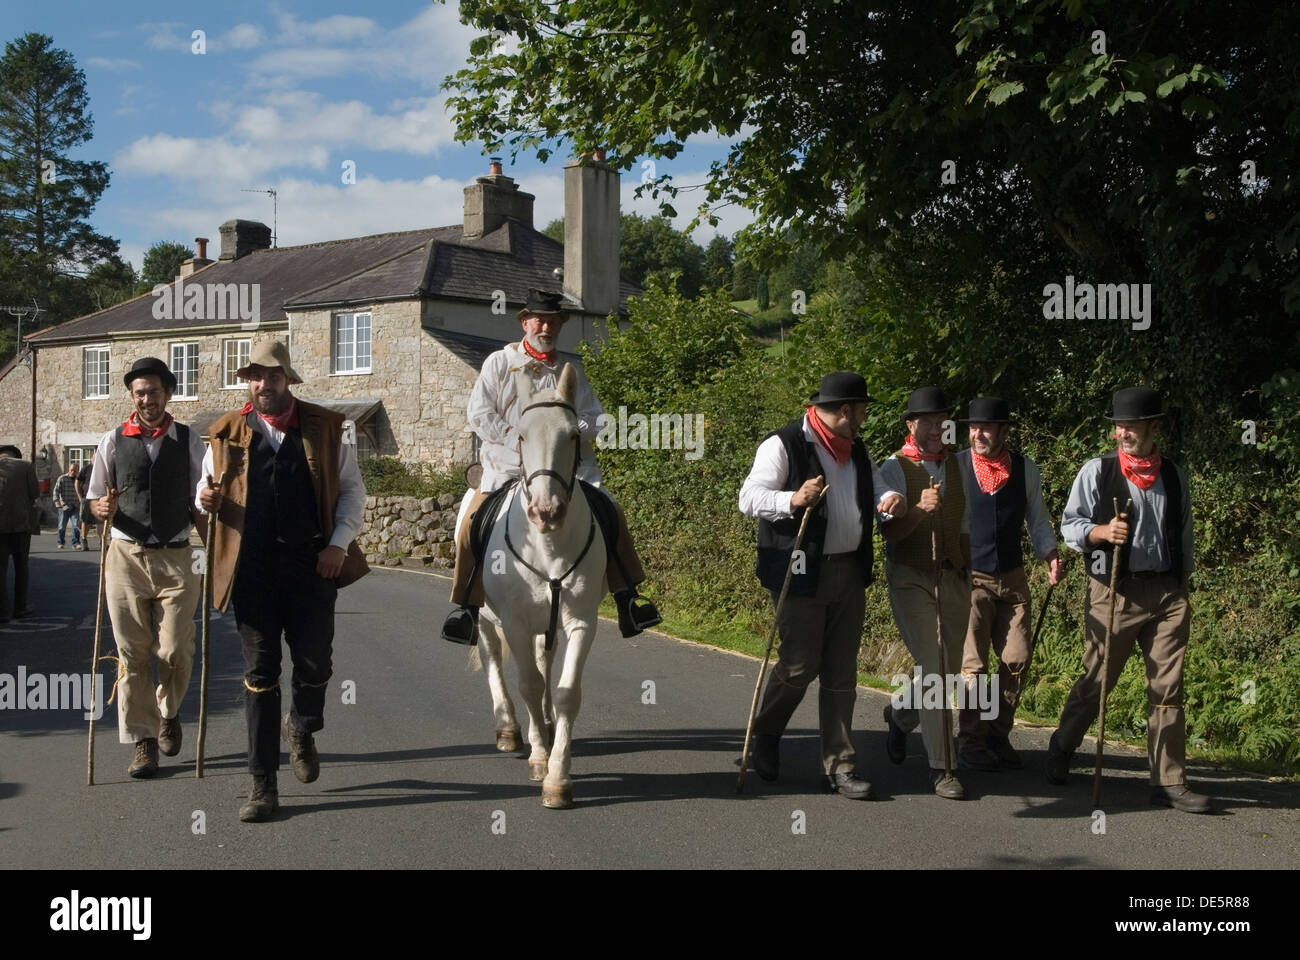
[[481, 414], [205, 470], [891, 476], [103, 476], [761, 495], [589, 409], [878, 483], [350, 509], [1076, 521], [1040, 524], [198, 470]]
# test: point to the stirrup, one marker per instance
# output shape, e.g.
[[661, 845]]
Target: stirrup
[[461, 626], [635, 612]]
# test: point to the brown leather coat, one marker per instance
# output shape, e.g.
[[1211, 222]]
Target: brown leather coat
[[230, 437]]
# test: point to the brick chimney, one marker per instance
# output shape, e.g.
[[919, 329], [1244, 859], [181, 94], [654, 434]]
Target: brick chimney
[[200, 258], [493, 198], [591, 230], [240, 237]]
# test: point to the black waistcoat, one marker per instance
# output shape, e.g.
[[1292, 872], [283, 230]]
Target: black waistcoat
[[154, 496], [281, 504], [996, 522], [776, 537], [1113, 486]]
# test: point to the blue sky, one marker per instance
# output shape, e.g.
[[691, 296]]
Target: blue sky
[[285, 93]]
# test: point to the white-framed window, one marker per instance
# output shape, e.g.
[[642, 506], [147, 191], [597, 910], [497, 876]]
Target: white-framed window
[[94, 372], [350, 347], [185, 365], [80, 456], [234, 355]]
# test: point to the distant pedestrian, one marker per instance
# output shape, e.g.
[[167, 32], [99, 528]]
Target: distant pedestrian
[[18, 492], [68, 504], [87, 515]]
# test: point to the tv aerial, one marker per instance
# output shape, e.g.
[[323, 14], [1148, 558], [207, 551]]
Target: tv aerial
[[275, 209]]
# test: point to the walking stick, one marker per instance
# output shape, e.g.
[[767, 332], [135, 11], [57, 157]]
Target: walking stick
[[1033, 642], [771, 636], [1105, 660], [207, 618], [94, 660], [943, 657]]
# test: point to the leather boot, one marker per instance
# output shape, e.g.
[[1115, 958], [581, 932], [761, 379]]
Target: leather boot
[[145, 763], [1180, 797], [169, 738], [263, 800], [302, 751]]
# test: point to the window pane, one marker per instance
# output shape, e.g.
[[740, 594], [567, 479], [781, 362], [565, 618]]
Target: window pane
[[363, 342]]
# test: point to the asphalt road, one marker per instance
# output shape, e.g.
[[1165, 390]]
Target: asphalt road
[[410, 777]]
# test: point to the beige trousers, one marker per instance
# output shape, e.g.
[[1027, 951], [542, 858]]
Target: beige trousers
[[151, 599], [999, 617], [911, 596]]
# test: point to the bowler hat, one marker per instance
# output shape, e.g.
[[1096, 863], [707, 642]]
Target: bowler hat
[[150, 366], [841, 388], [269, 353], [988, 410], [926, 400], [1136, 403], [542, 303]]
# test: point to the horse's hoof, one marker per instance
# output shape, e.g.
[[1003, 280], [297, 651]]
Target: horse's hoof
[[557, 798], [508, 740], [536, 769]]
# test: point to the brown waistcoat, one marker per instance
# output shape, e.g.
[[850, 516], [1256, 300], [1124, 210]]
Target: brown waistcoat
[[914, 549], [230, 436]]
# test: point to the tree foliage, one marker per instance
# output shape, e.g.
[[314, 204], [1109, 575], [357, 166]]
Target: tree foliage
[[162, 263]]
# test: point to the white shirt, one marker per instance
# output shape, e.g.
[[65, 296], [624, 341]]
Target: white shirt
[[493, 413], [1036, 518], [351, 506], [103, 474], [761, 495]]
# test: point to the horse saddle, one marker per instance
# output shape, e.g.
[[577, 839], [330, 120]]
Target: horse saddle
[[485, 518]]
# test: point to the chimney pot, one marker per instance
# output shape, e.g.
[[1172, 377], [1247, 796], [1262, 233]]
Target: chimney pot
[[494, 166], [202, 244]]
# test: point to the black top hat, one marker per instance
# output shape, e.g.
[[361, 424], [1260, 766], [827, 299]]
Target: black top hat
[[542, 302], [1136, 403], [150, 366], [926, 400], [988, 410], [841, 388]]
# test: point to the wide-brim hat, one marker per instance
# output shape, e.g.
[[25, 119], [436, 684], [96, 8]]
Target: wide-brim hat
[[147, 367], [1136, 403], [841, 387], [987, 410], [925, 400], [542, 303], [269, 353]]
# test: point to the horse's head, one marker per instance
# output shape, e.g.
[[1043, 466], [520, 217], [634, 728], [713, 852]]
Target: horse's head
[[548, 448]]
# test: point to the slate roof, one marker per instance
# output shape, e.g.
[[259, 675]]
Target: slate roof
[[437, 263]]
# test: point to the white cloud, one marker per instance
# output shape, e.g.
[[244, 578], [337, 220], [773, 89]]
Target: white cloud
[[167, 36], [108, 63], [335, 29], [242, 36], [208, 163]]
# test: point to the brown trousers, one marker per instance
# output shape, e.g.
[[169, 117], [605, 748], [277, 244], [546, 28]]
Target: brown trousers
[[463, 591], [820, 636], [999, 617], [1154, 613]]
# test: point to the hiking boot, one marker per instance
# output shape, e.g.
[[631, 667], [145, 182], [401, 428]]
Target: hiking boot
[[850, 786], [949, 788], [765, 755], [302, 752], [635, 613], [145, 763], [169, 738], [1057, 765], [976, 756], [461, 626], [1180, 797], [263, 801], [896, 739], [1005, 752]]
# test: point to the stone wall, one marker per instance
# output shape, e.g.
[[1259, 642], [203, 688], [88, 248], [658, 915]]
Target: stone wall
[[422, 530]]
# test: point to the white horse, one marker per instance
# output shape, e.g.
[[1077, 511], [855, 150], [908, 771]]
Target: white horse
[[543, 579]]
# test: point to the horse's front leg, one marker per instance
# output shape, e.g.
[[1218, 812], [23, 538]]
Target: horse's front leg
[[491, 645], [532, 686], [557, 789], [545, 660]]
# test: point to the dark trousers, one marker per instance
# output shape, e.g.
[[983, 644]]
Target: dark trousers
[[278, 593], [18, 545]]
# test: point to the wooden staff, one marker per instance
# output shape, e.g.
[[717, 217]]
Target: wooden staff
[[94, 659], [1105, 658], [943, 657], [771, 636], [206, 601]]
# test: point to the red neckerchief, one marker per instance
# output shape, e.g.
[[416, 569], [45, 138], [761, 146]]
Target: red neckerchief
[[837, 447], [913, 452], [546, 358], [992, 472], [1143, 471], [135, 427], [281, 421]]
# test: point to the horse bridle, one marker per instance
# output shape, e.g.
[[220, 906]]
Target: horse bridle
[[577, 454]]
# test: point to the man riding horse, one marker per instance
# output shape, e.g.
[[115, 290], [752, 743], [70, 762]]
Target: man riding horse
[[493, 414]]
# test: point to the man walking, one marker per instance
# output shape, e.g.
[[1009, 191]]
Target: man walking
[[19, 489], [927, 470], [68, 503], [821, 621], [1005, 493], [87, 516], [1151, 604], [143, 481], [288, 512]]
